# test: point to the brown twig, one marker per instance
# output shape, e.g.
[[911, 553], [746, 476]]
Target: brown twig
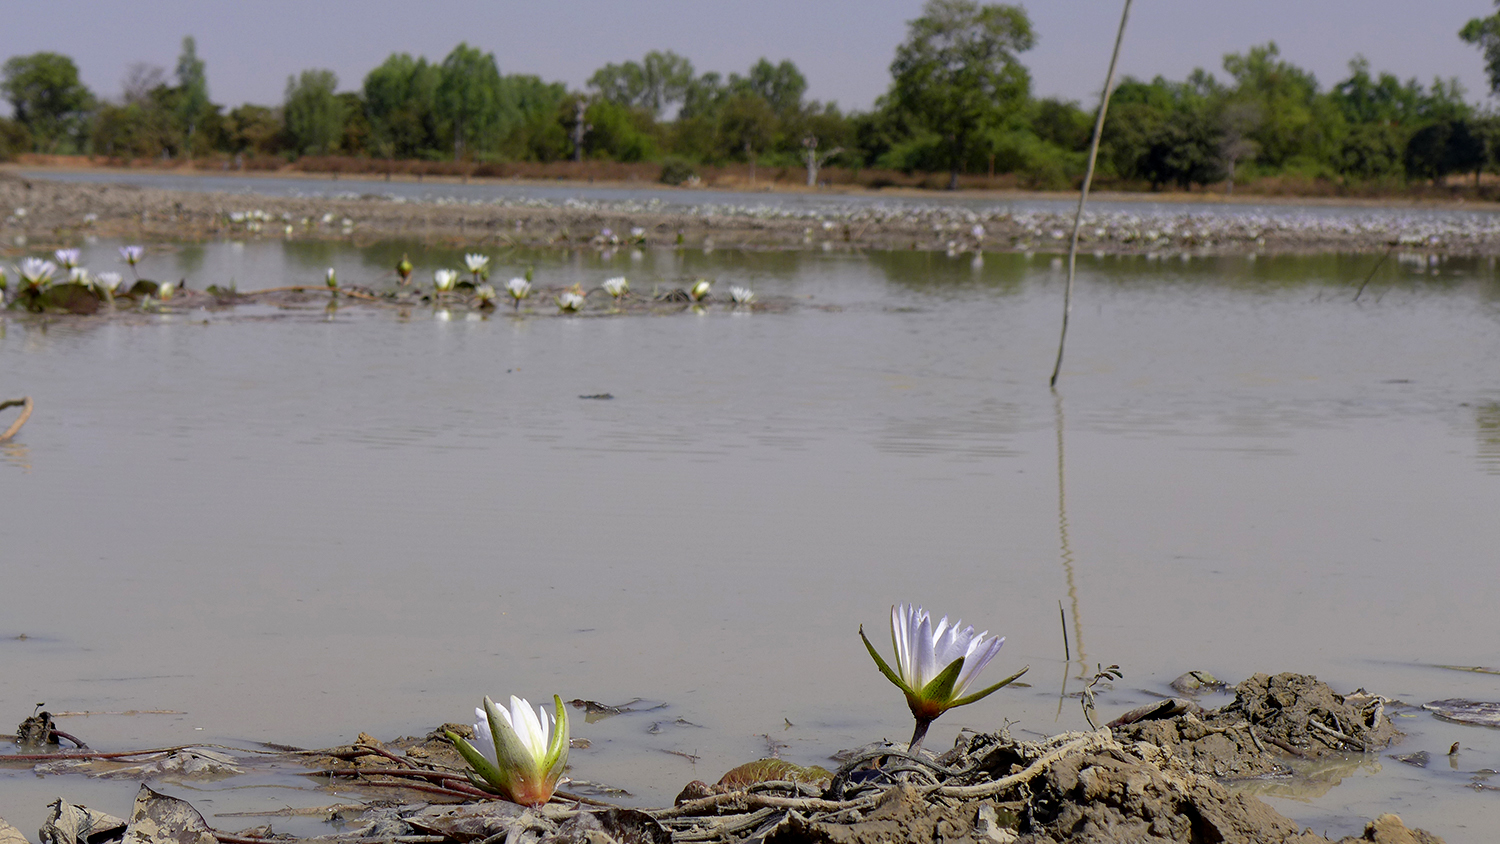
[[26, 405], [53, 757], [989, 789]]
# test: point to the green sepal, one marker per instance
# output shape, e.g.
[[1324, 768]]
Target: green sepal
[[509, 750], [884, 669], [486, 770], [985, 692], [941, 687], [557, 750]]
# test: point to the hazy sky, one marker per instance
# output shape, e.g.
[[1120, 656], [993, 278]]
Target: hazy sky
[[844, 47]]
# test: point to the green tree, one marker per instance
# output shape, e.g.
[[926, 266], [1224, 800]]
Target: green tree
[[659, 80], [313, 113], [192, 84], [1295, 122], [400, 98], [468, 98], [957, 74], [782, 85], [1186, 152], [14, 139], [1484, 33], [253, 129], [47, 98], [1370, 151]]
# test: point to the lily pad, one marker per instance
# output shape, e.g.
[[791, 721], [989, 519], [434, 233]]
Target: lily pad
[[1477, 712], [72, 297], [144, 287], [772, 770]]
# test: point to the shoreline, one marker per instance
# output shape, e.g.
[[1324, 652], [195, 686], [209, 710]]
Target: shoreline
[[733, 184], [61, 213]]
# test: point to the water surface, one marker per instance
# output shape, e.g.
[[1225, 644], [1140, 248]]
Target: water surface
[[294, 530]]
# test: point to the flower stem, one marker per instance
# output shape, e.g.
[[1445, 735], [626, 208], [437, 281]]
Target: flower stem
[[918, 734]]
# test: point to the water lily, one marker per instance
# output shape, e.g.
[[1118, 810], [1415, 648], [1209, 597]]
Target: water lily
[[404, 268], [518, 288], [444, 280], [78, 275], [109, 281], [699, 290], [570, 301], [486, 295], [936, 664], [741, 295], [164, 292], [520, 752], [332, 278], [36, 271], [478, 265], [68, 258], [616, 286]]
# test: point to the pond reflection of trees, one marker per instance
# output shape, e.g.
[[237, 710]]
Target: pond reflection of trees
[[1487, 426]]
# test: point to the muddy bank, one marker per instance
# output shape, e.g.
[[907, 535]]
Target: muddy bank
[[1143, 781], [37, 214]]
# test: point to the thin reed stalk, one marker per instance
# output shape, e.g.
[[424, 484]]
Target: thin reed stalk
[[1083, 195]]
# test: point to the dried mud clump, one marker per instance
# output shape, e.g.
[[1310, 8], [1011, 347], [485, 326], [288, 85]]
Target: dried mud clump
[[1271, 719]]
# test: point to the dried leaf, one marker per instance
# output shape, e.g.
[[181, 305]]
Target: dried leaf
[[470, 821], [11, 835], [159, 819], [70, 824], [1478, 712]]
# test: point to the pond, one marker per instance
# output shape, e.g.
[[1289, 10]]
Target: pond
[[265, 525]]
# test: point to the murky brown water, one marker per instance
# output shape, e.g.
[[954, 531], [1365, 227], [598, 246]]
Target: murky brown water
[[294, 530]]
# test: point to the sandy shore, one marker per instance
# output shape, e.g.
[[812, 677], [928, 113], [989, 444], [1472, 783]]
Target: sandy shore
[[40, 214]]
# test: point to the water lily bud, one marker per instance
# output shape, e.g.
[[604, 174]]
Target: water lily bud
[[519, 752], [332, 279], [616, 286], [699, 290]]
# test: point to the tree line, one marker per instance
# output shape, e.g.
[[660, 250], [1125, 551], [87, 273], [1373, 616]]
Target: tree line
[[960, 102]]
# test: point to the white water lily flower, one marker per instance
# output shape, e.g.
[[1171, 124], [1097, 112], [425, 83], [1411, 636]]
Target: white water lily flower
[[36, 271], [444, 279], [519, 752], [331, 278], [936, 664], [67, 257], [741, 295], [699, 290], [616, 286], [109, 281], [518, 288], [977, 231], [132, 254], [164, 291], [570, 301], [485, 294], [477, 263], [78, 275]]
